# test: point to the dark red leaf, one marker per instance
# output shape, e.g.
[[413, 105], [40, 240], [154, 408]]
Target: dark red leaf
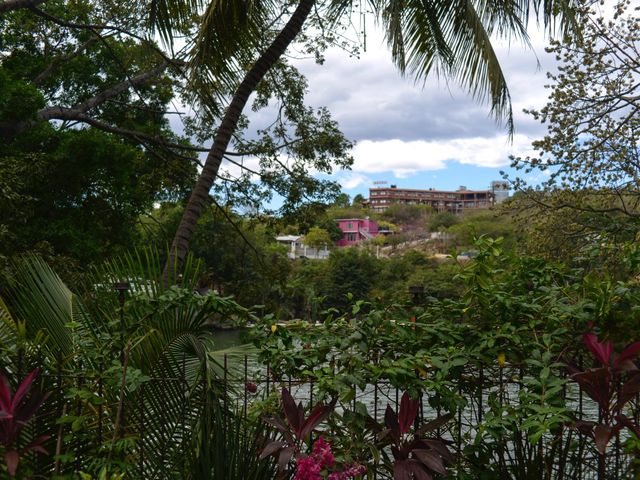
[[291, 410], [432, 460], [5, 395], [271, 448], [572, 368], [278, 423], [419, 471], [399, 454], [40, 449], [628, 353], [391, 422], [585, 427], [318, 415], [11, 460], [401, 470], [23, 389], [602, 434], [626, 366], [285, 457], [597, 384], [630, 388], [440, 447], [36, 445], [30, 407], [434, 424], [408, 412], [626, 421], [601, 351]]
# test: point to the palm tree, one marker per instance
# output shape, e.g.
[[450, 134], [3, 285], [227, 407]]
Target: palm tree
[[450, 37], [163, 337]]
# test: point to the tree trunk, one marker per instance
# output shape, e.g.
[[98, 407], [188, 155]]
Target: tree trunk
[[200, 195]]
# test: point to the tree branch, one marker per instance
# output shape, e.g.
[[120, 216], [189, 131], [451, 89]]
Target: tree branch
[[78, 112], [11, 5]]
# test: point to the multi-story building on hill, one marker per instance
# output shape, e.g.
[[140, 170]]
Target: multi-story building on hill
[[439, 200]]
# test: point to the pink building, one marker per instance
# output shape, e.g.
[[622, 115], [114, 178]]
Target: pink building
[[356, 230]]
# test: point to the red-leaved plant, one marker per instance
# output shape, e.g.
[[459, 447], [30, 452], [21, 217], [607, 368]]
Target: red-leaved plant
[[295, 430], [611, 386], [414, 455], [16, 410]]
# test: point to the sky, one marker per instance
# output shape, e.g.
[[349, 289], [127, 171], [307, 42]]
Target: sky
[[431, 136]]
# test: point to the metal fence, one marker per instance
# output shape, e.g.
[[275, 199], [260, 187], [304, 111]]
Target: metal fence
[[149, 427]]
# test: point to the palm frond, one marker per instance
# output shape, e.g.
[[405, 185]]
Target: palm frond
[[168, 17], [238, 442], [475, 64], [8, 332], [41, 300], [453, 38], [230, 36]]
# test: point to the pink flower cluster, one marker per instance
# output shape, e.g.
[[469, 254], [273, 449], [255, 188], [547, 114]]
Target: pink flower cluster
[[351, 472], [310, 467]]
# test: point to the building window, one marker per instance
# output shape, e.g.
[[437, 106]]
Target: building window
[[350, 225], [351, 237]]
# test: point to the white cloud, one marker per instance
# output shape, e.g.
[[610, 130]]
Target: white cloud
[[234, 170], [404, 158], [351, 180], [371, 101]]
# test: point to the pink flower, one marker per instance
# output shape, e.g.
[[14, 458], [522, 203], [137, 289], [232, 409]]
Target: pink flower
[[321, 458], [307, 468], [351, 472], [322, 452]]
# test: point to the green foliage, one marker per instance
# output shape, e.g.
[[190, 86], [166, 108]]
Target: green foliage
[[402, 214], [331, 226], [335, 212], [388, 226], [240, 254], [489, 223], [318, 238], [73, 180], [351, 276], [358, 200], [587, 238], [517, 321], [19, 100], [442, 221], [342, 201], [589, 155], [101, 184], [160, 334], [236, 442]]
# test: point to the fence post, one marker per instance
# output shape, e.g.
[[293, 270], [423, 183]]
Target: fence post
[[246, 379], [375, 417], [225, 383], [268, 373], [141, 411], [100, 407], [459, 436], [501, 400], [481, 386], [581, 437]]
